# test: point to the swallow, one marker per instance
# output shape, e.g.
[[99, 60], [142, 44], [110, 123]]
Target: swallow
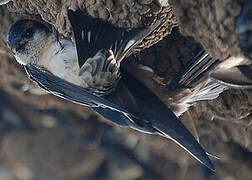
[[97, 66], [95, 79]]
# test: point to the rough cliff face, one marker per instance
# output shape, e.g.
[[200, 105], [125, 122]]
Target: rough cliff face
[[214, 24], [43, 137]]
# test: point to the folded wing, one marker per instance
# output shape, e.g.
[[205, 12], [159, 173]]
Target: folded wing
[[163, 120], [69, 91]]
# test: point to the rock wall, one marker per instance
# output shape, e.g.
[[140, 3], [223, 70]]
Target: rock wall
[[44, 137]]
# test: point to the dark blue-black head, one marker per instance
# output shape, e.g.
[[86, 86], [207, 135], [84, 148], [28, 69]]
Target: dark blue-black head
[[26, 38], [22, 31]]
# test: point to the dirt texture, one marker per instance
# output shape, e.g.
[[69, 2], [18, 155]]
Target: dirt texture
[[212, 23], [44, 137]]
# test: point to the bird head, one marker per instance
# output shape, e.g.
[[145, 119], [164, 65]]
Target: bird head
[[25, 39]]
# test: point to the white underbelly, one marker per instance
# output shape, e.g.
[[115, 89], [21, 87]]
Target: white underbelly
[[62, 63], [73, 78]]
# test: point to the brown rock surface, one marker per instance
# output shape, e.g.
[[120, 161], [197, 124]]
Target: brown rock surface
[[211, 23], [44, 137]]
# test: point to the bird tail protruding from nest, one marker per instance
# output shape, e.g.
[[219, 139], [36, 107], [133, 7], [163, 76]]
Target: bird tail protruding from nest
[[93, 34]]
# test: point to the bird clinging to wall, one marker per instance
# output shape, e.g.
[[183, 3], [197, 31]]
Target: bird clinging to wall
[[94, 71]]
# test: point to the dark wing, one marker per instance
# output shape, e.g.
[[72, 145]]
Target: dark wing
[[163, 120], [71, 92], [93, 34], [124, 98], [109, 110]]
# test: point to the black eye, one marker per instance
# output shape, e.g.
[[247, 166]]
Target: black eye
[[28, 33]]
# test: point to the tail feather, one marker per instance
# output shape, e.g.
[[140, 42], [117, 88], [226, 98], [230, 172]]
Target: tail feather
[[196, 69], [209, 91], [93, 34], [194, 81], [134, 38]]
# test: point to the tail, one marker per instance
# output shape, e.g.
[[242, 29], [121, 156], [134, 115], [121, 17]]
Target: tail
[[197, 68], [209, 91], [196, 75], [92, 35]]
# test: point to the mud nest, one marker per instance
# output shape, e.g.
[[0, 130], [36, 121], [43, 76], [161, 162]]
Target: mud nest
[[212, 23]]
